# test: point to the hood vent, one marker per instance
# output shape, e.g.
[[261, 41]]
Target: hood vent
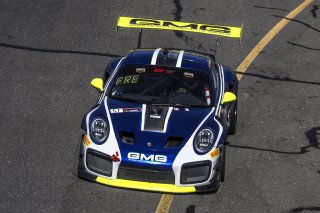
[[127, 137], [173, 142], [155, 118]]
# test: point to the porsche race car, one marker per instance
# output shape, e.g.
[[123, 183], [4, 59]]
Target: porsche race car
[[161, 122]]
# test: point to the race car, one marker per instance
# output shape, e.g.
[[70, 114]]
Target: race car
[[161, 122]]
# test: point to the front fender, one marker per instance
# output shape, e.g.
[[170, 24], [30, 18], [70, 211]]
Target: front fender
[[230, 78]]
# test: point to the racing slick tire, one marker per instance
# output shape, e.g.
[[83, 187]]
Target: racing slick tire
[[232, 118], [223, 163]]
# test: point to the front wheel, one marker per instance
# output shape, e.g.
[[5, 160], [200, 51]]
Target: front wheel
[[232, 118], [223, 164]]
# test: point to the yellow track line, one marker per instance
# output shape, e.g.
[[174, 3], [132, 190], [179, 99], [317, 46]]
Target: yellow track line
[[166, 199], [164, 204], [242, 68]]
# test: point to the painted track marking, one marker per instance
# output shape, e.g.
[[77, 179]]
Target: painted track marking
[[166, 199], [242, 68], [165, 203]]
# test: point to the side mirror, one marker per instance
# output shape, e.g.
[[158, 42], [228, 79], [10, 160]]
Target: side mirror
[[97, 83], [228, 97]]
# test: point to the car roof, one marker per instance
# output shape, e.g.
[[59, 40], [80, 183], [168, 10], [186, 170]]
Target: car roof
[[187, 59]]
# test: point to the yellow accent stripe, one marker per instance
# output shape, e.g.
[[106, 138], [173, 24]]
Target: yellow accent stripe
[[157, 187], [131, 22], [242, 68], [164, 204]]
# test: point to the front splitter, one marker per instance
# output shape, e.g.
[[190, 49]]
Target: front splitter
[[147, 186]]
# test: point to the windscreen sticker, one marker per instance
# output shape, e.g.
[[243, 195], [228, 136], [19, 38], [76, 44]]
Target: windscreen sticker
[[159, 70], [182, 90], [121, 110], [141, 70], [188, 75], [129, 79], [170, 72]]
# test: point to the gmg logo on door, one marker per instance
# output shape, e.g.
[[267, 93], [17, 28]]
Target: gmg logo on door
[[146, 157]]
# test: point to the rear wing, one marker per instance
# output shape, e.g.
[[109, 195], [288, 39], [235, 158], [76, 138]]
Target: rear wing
[[227, 31]]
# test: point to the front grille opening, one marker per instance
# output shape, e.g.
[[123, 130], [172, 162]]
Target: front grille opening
[[195, 172], [146, 176], [127, 137], [99, 162], [173, 142]]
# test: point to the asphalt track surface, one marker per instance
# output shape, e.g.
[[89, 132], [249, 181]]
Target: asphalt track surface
[[50, 50]]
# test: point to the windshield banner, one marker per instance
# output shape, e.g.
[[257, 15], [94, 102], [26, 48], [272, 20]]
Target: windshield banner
[[131, 22]]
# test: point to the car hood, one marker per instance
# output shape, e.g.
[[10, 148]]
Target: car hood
[[152, 127]]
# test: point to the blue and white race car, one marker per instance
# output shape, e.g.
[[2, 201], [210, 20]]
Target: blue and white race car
[[161, 122]]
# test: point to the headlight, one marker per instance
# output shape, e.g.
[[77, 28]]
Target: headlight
[[99, 130], [203, 141]]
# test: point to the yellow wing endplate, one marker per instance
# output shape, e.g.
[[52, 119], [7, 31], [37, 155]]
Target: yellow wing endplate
[[131, 22]]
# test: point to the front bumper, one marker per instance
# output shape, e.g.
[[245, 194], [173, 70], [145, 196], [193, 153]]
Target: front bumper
[[84, 173], [148, 186]]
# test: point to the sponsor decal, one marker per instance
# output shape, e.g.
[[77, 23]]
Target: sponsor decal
[[168, 72], [116, 110], [147, 157], [121, 110], [187, 109], [115, 157], [137, 109], [188, 75], [215, 153], [132, 22], [155, 116], [176, 109], [86, 140], [141, 70]]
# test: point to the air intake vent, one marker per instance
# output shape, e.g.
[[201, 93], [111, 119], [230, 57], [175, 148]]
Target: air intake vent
[[127, 137], [173, 142], [99, 162], [146, 176], [195, 172]]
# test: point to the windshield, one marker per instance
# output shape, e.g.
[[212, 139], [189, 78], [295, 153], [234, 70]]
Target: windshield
[[162, 86]]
